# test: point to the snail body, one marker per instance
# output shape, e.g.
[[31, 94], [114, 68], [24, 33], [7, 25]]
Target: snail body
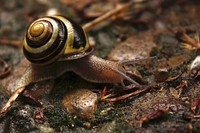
[[56, 44]]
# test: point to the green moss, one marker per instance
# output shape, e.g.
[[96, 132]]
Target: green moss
[[122, 126], [112, 114], [196, 127], [58, 117]]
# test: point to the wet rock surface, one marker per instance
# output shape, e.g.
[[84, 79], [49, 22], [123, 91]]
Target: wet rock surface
[[81, 102], [138, 46]]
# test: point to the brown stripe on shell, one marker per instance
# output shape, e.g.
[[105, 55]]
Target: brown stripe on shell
[[79, 35], [51, 53], [40, 41]]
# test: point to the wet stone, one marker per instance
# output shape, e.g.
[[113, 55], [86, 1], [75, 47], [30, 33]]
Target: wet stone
[[195, 63], [161, 74], [138, 46], [81, 102]]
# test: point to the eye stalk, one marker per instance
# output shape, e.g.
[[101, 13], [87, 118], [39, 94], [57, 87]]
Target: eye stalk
[[56, 44]]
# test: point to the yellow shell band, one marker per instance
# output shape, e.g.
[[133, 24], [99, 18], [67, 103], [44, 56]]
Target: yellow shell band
[[49, 43]]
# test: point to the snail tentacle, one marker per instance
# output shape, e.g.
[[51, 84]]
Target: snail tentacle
[[56, 44], [126, 77], [98, 70], [130, 61]]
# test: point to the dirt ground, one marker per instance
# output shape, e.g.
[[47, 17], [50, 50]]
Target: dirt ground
[[165, 34]]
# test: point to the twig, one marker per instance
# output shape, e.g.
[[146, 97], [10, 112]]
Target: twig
[[153, 115], [14, 43], [10, 101], [127, 95], [88, 26], [93, 23], [195, 104], [5, 69]]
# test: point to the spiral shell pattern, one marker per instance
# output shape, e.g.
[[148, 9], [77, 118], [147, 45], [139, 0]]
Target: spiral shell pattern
[[55, 38]]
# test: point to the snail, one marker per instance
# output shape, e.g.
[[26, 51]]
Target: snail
[[56, 44]]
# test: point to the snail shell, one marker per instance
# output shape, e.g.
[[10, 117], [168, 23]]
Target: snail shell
[[58, 38], [55, 38]]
